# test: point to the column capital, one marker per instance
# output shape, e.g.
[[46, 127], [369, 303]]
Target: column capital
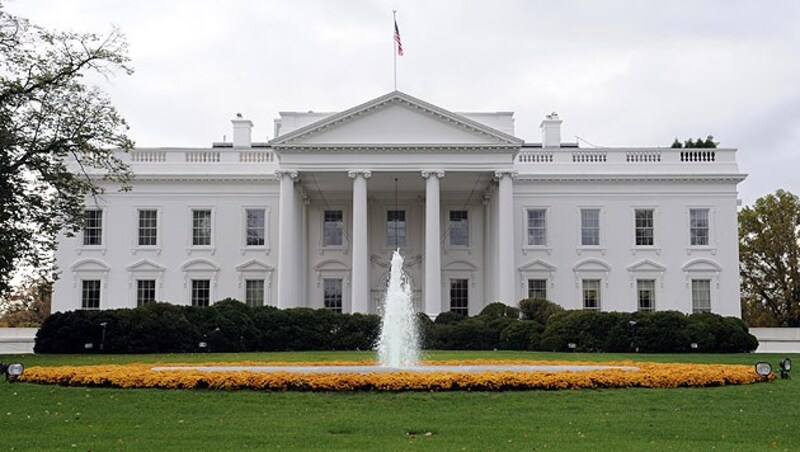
[[428, 173], [499, 174], [292, 174], [366, 174]]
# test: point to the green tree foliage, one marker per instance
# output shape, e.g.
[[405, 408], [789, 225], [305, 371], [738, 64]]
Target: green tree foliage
[[56, 133], [27, 305], [700, 143], [769, 254]]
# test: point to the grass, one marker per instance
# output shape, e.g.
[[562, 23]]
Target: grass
[[753, 417]]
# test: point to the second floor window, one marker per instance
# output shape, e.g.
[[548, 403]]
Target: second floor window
[[644, 227], [537, 227], [698, 227], [590, 227], [396, 228], [332, 229], [201, 227], [459, 228], [93, 227], [148, 227], [256, 219]]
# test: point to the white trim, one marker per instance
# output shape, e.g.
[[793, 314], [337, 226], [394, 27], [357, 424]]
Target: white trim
[[255, 269], [580, 248], [344, 247], [445, 220], [243, 246], [526, 247], [190, 247], [102, 247], [136, 248], [712, 236], [145, 269], [657, 230]]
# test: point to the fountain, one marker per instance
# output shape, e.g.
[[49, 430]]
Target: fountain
[[398, 345]]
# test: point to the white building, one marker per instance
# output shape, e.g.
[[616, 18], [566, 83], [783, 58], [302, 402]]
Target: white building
[[311, 219]]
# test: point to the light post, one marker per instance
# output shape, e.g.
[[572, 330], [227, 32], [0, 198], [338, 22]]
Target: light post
[[632, 327], [103, 337]]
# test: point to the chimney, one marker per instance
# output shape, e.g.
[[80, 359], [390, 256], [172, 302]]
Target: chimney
[[242, 132], [551, 131]]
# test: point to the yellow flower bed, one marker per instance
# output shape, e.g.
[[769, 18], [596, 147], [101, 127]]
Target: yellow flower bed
[[649, 375]]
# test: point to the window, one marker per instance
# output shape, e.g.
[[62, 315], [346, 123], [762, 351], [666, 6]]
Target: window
[[333, 228], [90, 294], [201, 227], [537, 227], [459, 296], [332, 294], [698, 227], [459, 228], [148, 227], [644, 227], [590, 227], [254, 292], [396, 228], [701, 295], [537, 288], [93, 227], [145, 291], [591, 294], [646, 294], [201, 292], [255, 227]]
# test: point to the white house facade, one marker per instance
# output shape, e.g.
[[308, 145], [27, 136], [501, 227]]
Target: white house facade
[[310, 219]]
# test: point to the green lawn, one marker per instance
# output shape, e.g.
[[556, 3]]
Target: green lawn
[[755, 417]]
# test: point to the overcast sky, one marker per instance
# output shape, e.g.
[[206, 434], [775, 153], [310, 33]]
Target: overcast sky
[[619, 73]]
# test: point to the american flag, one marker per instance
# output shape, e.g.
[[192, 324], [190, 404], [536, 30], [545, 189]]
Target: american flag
[[397, 39]]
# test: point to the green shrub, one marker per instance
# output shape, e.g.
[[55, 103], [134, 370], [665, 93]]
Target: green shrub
[[538, 309], [448, 317], [498, 309], [521, 335]]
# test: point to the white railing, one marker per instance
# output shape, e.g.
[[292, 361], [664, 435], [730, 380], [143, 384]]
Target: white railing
[[202, 156], [627, 156]]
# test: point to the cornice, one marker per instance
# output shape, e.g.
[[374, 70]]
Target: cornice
[[210, 178], [615, 178], [395, 97], [357, 148]]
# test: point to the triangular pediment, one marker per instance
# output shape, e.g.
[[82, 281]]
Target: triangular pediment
[[538, 266], [646, 265], [254, 265], [395, 119]]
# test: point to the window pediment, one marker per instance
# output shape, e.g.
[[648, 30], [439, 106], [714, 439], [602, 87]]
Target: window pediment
[[90, 265], [145, 265], [199, 265]]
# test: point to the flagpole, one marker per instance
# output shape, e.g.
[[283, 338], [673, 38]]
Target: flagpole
[[394, 48]]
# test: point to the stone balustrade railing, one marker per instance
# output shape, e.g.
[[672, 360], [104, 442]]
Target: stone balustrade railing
[[626, 156], [209, 156]]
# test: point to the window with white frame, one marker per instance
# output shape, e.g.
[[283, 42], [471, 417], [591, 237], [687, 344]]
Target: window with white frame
[[537, 288], [148, 227], [396, 228], [459, 296], [145, 291], [93, 227], [699, 227], [537, 227], [255, 227], [701, 295], [646, 295], [459, 228], [254, 292], [90, 294], [591, 294], [333, 228], [201, 227], [644, 227], [201, 292], [332, 294], [590, 227]]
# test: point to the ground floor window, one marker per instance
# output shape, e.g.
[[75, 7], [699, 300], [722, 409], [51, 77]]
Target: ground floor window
[[333, 294], [201, 292], [646, 294], [459, 296], [537, 288], [701, 295], [145, 291], [254, 292], [90, 294], [591, 294]]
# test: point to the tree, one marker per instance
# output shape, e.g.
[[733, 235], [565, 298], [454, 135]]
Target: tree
[[57, 136], [700, 143], [27, 305], [769, 252]]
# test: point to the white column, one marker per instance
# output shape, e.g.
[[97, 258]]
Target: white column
[[505, 237], [359, 273], [288, 243], [433, 257]]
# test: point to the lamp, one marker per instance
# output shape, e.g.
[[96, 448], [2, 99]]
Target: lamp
[[763, 368], [12, 371], [786, 366]]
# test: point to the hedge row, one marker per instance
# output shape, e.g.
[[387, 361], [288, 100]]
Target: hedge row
[[230, 326]]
